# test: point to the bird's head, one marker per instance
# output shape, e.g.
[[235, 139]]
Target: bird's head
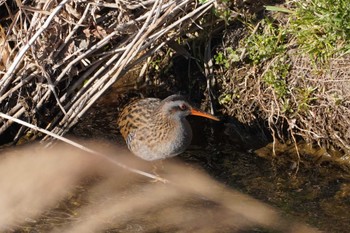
[[176, 107]]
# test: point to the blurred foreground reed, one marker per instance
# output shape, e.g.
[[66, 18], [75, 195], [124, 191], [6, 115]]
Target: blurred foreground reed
[[66, 190]]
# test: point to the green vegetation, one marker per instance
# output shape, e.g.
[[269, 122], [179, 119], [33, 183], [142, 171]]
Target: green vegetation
[[322, 28], [267, 42], [276, 77], [291, 69], [319, 28], [305, 98], [226, 58]]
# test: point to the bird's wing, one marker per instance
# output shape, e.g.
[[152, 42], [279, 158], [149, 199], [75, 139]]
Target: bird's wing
[[136, 114]]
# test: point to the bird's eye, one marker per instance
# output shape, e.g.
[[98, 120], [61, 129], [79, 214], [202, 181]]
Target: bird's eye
[[183, 107]]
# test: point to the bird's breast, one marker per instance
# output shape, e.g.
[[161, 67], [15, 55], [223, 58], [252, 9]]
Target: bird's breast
[[178, 138], [153, 143]]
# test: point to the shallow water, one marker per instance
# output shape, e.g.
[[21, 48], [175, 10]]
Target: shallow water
[[318, 193]]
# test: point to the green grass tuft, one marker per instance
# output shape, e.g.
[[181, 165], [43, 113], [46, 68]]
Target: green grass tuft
[[322, 28], [267, 42]]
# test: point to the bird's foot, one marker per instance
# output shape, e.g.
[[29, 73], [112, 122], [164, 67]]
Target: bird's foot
[[158, 165]]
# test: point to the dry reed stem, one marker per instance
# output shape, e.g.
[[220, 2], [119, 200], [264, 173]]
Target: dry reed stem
[[79, 51], [7, 78], [79, 146]]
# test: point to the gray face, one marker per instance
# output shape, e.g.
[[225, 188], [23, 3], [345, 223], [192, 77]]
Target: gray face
[[177, 109]]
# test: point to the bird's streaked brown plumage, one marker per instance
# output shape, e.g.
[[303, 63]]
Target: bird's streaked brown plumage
[[155, 129]]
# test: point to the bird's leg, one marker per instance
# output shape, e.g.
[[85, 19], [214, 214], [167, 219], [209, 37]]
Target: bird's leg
[[155, 168], [156, 165]]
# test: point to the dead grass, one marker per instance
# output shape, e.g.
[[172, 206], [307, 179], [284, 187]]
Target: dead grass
[[57, 60], [271, 77]]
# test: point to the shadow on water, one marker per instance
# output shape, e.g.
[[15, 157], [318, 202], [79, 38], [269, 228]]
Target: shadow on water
[[319, 193]]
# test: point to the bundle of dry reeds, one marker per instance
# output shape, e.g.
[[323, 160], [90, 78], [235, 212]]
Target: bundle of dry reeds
[[57, 59]]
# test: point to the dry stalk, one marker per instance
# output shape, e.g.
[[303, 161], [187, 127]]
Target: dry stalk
[[7, 78], [80, 50], [81, 147]]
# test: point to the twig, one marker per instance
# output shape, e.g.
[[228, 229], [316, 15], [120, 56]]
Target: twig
[[6, 80], [75, 144], [71, 33], [113, 54], [114, 72], [18, 110]]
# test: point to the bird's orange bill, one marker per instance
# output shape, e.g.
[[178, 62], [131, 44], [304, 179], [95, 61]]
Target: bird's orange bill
[[196, 112]]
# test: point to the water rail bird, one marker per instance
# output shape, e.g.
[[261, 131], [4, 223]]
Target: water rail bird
[[157, 129]]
